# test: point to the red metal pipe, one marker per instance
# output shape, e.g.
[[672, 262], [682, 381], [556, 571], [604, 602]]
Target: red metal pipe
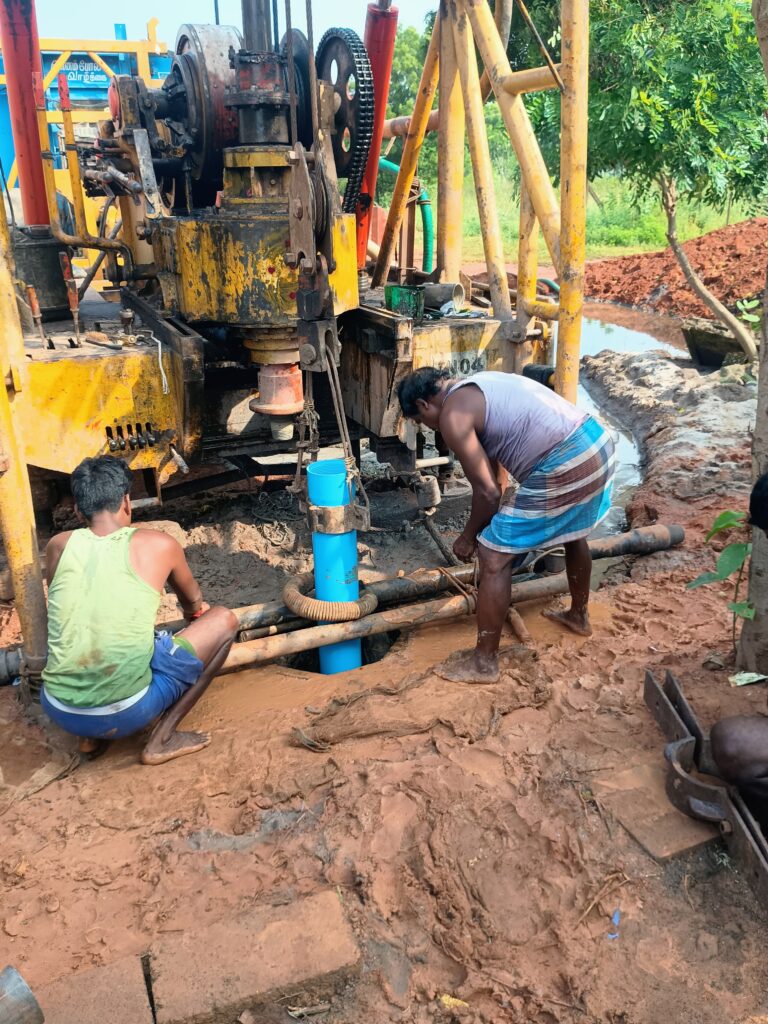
[[21, 60], [380, 32]]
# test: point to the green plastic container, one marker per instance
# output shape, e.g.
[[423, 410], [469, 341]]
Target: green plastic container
[[407, 300]]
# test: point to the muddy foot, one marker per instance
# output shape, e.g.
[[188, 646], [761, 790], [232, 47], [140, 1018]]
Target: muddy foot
[[576, 623], [91, 748], [179, 744], [467, 667]]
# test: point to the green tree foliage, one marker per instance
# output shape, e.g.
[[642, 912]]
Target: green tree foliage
[[677, 90], [676, 108]]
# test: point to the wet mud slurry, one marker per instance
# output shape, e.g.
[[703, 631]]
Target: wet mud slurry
[[469, 830]]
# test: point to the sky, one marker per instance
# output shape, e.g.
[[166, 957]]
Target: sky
[[86, 19]]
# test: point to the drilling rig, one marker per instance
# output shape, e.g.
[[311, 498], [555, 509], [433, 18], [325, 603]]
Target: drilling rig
[[249, 319]]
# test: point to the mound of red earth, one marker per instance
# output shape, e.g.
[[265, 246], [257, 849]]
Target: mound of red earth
[[731, 262]]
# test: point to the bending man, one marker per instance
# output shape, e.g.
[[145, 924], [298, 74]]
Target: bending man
[[109, 674], [561, 458]]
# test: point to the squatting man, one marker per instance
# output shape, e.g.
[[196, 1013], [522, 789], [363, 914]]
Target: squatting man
[[109, 674], [563, 461]]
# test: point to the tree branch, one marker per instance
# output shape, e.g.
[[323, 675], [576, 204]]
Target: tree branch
[[739, 330]]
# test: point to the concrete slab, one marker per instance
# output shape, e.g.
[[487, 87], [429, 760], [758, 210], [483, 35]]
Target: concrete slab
[[230, 966], [116, 993], [637, 798]]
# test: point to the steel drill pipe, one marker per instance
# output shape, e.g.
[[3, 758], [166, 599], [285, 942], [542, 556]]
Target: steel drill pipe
[[273, 620], [429, 582], [259, 652], [257, 25]]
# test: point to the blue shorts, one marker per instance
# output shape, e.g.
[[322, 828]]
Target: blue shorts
[[174, 670]]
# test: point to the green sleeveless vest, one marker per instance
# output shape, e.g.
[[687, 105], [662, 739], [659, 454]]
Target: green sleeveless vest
[[101, 618]]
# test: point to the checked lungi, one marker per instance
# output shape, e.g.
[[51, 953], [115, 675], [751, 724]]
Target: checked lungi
[[563, 498]]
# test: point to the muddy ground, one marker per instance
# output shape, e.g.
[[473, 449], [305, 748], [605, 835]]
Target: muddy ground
[[473, 832]]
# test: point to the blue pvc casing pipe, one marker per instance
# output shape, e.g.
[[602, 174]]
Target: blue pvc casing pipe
[[335, 557]]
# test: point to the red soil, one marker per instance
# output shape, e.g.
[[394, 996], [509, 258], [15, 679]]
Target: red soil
[[731, 261]]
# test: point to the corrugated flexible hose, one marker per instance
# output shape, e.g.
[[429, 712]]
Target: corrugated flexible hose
[[306, 607]]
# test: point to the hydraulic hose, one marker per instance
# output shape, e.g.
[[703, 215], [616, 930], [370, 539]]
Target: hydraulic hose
[[549, 283], [306, 607], [427, 220]]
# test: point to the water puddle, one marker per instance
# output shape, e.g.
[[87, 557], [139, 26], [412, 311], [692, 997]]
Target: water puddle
[[597, 336]]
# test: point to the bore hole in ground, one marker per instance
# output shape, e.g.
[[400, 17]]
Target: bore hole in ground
[[375, 648]]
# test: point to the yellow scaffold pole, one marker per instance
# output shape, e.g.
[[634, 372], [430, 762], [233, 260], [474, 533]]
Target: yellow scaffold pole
[[17, 520], [573, 192], [410, 158], [483, 174], [518, 125], [450, 163]]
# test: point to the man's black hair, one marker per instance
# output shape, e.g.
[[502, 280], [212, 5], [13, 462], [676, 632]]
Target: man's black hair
[[421, 384], [758, 503], [100, 485]]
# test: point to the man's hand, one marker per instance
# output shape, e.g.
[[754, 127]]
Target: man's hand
[[190, 614], [464, 548]]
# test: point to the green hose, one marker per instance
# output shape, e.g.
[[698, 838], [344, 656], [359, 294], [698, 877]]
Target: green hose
[[427, 222], [550, 284]]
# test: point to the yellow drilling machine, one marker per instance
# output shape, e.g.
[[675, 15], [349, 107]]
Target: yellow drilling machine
[[252, 315]]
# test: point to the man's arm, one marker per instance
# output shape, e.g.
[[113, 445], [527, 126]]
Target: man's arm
[[183, 583], [458, 429], [160, 561], [54, 549]]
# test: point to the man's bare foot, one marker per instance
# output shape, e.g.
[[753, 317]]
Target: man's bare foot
[[571, 620], [91, 748], [469, 667], [177, 745]]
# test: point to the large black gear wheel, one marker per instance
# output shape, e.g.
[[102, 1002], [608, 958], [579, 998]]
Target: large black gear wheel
[[342, 60]]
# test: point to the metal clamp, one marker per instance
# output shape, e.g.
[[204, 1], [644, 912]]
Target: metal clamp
[[318, 342], [687, 752], [338, 519]]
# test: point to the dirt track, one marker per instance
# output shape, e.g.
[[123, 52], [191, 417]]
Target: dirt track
[[470, 830]]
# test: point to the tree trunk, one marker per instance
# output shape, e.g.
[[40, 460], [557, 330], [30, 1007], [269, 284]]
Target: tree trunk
[[753, 647], [760, 14], [597, 200], [739, 330]]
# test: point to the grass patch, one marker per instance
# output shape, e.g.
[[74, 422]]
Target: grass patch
[[619, 228]]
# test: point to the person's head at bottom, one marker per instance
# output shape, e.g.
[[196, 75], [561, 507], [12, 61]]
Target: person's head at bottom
[[422, 394], [101, 490], [739, 743], [758, 504]]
